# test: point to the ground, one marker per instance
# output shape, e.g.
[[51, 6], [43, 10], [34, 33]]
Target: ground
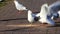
[[11, 22]]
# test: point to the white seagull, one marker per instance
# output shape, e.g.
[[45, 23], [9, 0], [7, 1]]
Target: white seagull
[[45, 15], [32, 17], [19, 6]]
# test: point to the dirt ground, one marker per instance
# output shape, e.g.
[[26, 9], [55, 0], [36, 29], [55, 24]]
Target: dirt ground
[[11, 22]]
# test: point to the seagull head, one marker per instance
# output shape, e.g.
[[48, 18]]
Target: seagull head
[[15, 1]]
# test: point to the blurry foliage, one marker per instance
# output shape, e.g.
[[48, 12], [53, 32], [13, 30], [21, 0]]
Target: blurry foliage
[[3, 3]]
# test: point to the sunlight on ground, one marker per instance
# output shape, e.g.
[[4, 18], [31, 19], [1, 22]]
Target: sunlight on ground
[[29, 25]]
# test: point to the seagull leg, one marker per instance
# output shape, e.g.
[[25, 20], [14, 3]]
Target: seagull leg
[[31, 24], [20, 12]]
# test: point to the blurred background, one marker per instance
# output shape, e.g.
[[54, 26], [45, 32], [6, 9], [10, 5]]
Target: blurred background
[[10, 16]]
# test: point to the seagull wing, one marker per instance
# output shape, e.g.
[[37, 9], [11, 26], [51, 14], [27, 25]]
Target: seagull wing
[[54, 9], [45, 15], [50, 21], [44, 11], [38, 14]]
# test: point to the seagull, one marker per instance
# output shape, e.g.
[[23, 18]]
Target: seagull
[[32, 17], [19, 6], [55, 9], [45, 15]]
